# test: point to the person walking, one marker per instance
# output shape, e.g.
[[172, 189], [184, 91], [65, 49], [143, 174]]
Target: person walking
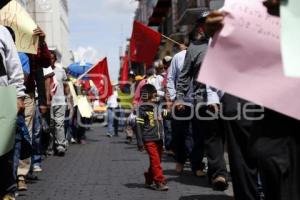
[[207, 134], [150, 136], [58, 109], [11, 75]]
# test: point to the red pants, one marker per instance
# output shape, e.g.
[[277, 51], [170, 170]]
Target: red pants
[[155, 172]]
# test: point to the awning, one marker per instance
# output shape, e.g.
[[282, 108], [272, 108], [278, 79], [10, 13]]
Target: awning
[[159, 12]]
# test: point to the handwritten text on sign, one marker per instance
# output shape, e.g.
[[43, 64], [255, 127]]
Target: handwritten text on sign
[[244, 59], [16, 17]]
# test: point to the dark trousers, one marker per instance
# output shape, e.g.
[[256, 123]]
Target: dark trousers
[[243, 168], [168, 140], [8, 182], [187, 141], [276, 148], [182, 140], [206, 135], [213, 135]]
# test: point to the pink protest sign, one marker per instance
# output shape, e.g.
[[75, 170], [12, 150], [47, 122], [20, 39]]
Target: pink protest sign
[[244, 59]]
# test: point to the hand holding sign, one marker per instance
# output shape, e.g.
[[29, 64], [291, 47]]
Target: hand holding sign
[[39, 33]]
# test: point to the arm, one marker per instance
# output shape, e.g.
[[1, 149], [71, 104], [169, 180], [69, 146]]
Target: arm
[[137, 95], [213, 95], [140, 121], [171, 80], [185, 77], [13, 65], [43, 56]]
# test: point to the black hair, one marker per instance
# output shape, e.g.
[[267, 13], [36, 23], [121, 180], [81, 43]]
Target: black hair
[[54, 53], [12, 32], [147, 92]]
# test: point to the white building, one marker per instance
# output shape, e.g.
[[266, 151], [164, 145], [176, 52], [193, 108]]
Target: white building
[[52, 17]]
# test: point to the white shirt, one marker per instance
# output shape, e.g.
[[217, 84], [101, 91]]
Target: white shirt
[[112, 101]]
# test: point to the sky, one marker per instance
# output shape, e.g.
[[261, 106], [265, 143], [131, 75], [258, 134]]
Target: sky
[[99, 28]]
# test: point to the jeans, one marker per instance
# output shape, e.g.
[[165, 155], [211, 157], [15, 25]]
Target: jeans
[[57, 125], [168, 135], [36, 158], [110, 120]]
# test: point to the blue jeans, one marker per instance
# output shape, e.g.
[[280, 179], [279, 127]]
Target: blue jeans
[[36, 158], [110, 120], [23, 148]]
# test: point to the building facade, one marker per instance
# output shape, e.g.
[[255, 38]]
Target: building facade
[[173, 18], [53, 17]]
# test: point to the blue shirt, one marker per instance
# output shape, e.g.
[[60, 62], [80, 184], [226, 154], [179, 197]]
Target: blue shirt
[[25, 62]]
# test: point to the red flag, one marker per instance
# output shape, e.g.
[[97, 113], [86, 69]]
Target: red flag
[[100, 76], [144, 43], [125, 71]]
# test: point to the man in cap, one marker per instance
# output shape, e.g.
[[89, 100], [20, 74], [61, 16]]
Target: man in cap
[[207, 134]]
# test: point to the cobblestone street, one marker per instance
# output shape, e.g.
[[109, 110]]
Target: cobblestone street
[[109, 169]]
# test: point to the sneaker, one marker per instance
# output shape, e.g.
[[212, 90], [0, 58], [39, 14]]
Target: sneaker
[[148, 185], [61, 151], [220, 183], [161, 187], [32, 177], [170, 153], [49, 153], [179, 168], [9, 197], [37, 168], [22, 185], [108, 135], [200, 173], [73, 141]]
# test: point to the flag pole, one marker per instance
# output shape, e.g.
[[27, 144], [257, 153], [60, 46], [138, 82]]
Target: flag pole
[[170, 39]]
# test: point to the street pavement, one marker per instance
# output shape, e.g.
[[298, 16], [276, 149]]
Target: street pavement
[[109, 169]]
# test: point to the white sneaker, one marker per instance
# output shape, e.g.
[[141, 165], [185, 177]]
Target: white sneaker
[[37, 169], [73, 141], [108, 135]]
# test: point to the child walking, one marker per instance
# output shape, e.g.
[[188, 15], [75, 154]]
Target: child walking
[[150, 136]]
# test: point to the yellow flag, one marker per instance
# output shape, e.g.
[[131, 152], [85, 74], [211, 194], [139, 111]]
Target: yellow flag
[[16, 17]]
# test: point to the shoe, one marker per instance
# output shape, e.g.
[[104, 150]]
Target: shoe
[[200, 173], [82, 142], [9, 197], [161, 187], [220, 183], [49, 153], [108, 135], [179, 168], [73, 141], [170, 153], [32, 177], [60, 151], [148, 185], [22, 185], [129, 140], [37, 168]]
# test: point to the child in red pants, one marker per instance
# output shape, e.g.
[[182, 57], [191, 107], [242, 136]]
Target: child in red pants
[[150, 136]]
